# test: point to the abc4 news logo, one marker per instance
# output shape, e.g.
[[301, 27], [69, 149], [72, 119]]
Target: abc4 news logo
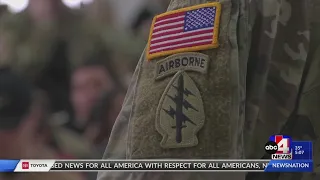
[[278, 151]]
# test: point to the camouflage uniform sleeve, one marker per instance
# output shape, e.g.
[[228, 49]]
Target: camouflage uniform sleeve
[[279, 45], [288, 100], [148, 126], [117, 145], [24, 48], [306, 125]]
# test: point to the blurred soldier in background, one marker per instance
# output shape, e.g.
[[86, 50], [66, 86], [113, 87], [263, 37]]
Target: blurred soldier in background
[[250, 91], [16, 97], [38, 41], [141, 25], [89, 82], [49, 42], [98, 32], [142, 21], [23, 126], [102, 118]]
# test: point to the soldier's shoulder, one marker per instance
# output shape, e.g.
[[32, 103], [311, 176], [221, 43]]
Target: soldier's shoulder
[[70, 142], [73, 143]]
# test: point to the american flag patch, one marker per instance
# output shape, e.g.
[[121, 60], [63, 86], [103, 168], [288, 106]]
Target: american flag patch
[[189, 29]]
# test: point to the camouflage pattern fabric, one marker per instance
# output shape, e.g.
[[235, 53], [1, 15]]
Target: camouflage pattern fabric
[[73, 143], [40, 51], [28, 48], [15, 44], [265, 47], [288, 104], [275, 65]]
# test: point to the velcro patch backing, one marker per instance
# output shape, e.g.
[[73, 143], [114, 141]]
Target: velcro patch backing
[[188, 29]]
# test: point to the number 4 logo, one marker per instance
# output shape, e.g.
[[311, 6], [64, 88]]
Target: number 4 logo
[[283, 144]]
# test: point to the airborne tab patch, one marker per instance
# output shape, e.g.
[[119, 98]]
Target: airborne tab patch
[[191, 61], [180, 113], [193, 28]]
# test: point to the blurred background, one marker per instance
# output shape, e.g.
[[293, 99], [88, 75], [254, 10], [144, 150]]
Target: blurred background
[[65, 66]]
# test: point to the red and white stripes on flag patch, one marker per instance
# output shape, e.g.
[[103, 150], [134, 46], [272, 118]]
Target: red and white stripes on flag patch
[[189, 29]]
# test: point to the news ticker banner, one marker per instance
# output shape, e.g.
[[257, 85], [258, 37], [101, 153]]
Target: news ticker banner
[[33, 165]]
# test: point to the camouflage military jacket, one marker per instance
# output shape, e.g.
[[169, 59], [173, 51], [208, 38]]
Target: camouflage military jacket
[[259, 79]]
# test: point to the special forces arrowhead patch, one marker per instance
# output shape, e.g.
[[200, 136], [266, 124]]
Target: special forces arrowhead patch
[[180, 113], [188, 29]]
